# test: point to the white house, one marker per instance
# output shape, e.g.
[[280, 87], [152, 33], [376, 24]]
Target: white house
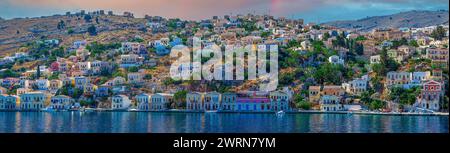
[[194, 101], [228, 101], [42, 84], [120, 102], [135, 78], [375, 59], [160, 101], [32, 101], [279, 101], [118, 81], [406, 79], [61, 102], [143, 102], [330, 103], [211, 100], [9, 102], [130, 60], [357, 86], [336, 60]]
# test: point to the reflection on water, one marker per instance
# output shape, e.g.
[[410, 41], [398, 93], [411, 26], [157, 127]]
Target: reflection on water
[[143, 122]]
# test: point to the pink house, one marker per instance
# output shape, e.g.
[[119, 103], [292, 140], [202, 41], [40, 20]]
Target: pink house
[[252, 104]]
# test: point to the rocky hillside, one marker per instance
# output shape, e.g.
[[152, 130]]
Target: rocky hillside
[[15, 33], [412, 19]]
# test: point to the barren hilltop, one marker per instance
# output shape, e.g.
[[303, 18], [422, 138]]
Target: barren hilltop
[[410, 19]]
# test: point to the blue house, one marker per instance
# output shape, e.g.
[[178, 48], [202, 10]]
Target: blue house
[[161, 50], [176, 41]]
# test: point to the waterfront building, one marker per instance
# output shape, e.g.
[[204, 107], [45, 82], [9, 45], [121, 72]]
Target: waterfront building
[[33, 101], [160, 101], [9, 102], [252, 104], [228, 101], [430, 96], [211, 100], [194, 101], [314, 94], [333, 90], [330, 103], [279, 101], [143, 102], [61, 102], [120, 102]]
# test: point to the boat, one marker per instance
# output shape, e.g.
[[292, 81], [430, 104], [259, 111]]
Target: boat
[[133, 110], [211, 111], [88, 110], [48, 109], [280, 113]]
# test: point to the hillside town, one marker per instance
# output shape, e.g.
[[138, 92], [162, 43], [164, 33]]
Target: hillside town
[[103, 61]]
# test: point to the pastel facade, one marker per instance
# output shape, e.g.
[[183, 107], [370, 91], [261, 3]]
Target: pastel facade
[[252, 104], [120, 102], [211, 100], [438, 56], [9, 102], [330, 103], [143, 102], [357, 86], [61, 102], [135, 78], [279, 101], [160, 101], [314, 94], [228, 101], [431, 96], [33, 101], [194, 101]]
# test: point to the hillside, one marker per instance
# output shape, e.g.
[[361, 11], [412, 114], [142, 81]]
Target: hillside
[[412, 19], [15, 33]]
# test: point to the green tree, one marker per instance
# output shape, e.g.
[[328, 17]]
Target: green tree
[[438, 33], [180, 98], [70, 31], [133, 69], [92, 30], [87, 18]]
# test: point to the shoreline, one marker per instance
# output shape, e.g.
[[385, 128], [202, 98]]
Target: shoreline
[[249, 112]]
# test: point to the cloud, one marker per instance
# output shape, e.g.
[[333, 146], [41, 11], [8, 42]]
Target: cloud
[[200, 9]]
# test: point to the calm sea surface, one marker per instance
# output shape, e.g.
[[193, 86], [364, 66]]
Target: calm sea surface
[[144, 122]]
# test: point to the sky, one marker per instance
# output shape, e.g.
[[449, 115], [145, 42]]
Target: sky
[[310, 10]]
